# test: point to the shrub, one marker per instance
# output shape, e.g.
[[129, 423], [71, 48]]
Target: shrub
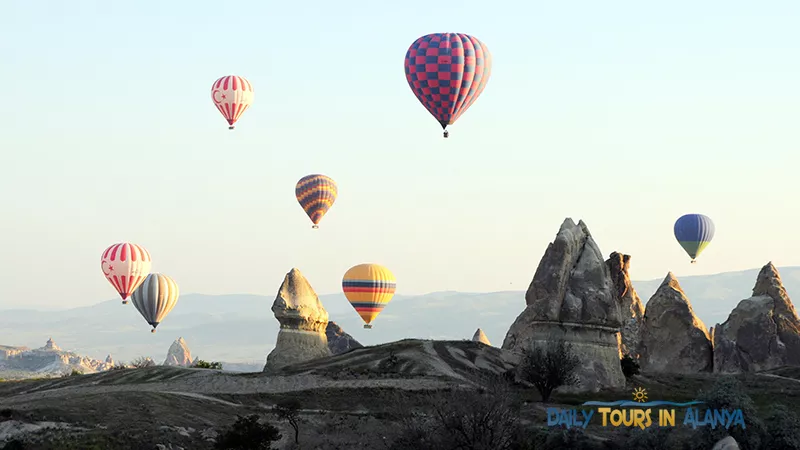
[[461, 419], [200, 364], [142, 362], [783, 429], [728, 393], [247, 433], [549, 367], [630, 366], [15, 444]]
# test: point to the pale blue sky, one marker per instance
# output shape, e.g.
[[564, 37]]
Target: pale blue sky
[[623, 114]]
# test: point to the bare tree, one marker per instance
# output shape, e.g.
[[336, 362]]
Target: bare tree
[[142, 362], [462, 419], [549, 367], [289, 410]]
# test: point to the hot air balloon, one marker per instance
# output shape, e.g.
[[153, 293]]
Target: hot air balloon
[[156, 298], [232, 95], [125, 266], [447, 72], [316, 194], [369, 288], [694, 232]]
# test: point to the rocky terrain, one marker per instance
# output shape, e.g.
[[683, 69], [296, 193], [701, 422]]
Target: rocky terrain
[[49, 360], [356, 396]]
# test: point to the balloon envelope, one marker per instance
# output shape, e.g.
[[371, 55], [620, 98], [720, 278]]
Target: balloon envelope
[[155, 298], [368, 288], [316, 194], [447, 72], [694, 232], [232, 95], [125, 266]]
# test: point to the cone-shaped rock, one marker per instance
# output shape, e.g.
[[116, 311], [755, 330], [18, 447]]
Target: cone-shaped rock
[[303, 322], [480, 336], [630, 304], [339, 341], [673, 338], [762, 332], [572, 297], [179, 354]]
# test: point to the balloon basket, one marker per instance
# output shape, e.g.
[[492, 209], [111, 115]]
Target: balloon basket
[[153, 330], [693, 262], [124, 302], [230, 127], [315, 227], [446, 134], [368, 326]]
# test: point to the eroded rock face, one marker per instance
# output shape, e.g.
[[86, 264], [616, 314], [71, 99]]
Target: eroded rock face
[[762, 332], [480, 336], [179, 354], [339, 341], [49, 360], [573, 297], [303, 322], [673, 338], [630, 304]]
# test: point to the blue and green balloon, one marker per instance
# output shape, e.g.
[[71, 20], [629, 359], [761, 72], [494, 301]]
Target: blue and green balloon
[[694, 232]]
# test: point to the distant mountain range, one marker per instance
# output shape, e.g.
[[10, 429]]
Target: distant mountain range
[[242, 329]]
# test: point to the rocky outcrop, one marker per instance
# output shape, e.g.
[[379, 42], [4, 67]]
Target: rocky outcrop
[[179, 354], [727, 443], [480, 336], [630, 304], [573, 297], [673, 338], [303, 322], [109, 360], [48, 360], [7, 351], [762, 332], [339, 341]]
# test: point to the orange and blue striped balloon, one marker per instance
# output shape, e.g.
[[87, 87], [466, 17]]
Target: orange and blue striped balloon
[[369, 288], [316, 194]]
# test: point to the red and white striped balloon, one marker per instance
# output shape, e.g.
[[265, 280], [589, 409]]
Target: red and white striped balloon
[[125, 266], [232, 95]]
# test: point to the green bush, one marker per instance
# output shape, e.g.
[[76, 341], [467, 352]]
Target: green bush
[[728, 393], [549, 367], [783, 429], [248, 434], [200, 364]]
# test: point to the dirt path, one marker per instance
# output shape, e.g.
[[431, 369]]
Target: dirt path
[[778, 377]]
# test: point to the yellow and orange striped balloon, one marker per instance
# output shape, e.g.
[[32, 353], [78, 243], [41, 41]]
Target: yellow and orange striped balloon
[[316, 194], [368, 288]]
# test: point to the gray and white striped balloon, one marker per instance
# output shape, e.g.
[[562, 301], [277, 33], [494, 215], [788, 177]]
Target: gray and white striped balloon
[[155, 298]]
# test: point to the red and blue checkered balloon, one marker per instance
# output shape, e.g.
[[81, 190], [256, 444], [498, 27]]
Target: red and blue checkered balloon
[[447, 72]]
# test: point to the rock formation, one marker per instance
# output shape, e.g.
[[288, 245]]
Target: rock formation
[[303, 322], [630, 305], [572, 297], [480, 336], [762, 332], [47, 360], [109, 360], [179, 354], [51, 346], [727, 443], [339, 341], [673, 338]]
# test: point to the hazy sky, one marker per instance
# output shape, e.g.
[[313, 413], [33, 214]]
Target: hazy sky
[[624, 114]]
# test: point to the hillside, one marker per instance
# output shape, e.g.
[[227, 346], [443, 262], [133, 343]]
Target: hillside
[[355, 400], [242, 329]]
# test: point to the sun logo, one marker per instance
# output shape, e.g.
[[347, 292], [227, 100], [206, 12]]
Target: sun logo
[[640, 395]]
